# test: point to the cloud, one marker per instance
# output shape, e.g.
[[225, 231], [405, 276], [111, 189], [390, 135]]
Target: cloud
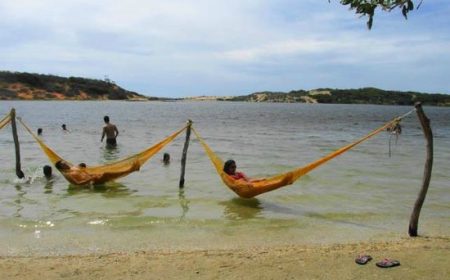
[[179, 48]]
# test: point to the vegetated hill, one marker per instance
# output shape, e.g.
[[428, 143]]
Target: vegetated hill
[[349, 96], [27, 86]]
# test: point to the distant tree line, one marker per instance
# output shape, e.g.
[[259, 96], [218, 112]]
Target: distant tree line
[[69, 87], [73, 87], [349, 96], [385, 97]]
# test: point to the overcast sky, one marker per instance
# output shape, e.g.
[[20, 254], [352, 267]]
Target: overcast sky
[[180, 48]]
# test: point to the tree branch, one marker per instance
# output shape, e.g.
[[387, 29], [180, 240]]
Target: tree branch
[[368, 7]]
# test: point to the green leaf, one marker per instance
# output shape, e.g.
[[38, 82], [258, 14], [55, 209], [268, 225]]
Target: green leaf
[[410, 5]]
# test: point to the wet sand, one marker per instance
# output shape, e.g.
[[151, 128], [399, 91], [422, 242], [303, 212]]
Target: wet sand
[[420, 258]]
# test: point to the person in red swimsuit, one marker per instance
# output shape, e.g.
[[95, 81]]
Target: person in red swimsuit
[[230, 168]]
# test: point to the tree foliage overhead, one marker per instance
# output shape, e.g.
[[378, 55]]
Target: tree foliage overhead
[[368, 7]]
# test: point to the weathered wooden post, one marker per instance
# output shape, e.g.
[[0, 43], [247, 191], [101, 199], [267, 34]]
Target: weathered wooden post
[[184, 156], [425, 122], [19, 172]]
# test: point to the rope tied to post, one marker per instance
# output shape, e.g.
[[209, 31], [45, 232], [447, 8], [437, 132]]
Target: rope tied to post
[[395, 129]]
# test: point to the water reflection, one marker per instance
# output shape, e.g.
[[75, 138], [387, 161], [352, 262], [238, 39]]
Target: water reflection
[[280, 209], [110, 153], [242, 209], [48, 188], [20, 196], [184, 203], [108, 190]]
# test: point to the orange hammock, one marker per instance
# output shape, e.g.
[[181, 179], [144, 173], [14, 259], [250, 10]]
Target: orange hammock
[[250, 189], [5, 120], [103, 173]]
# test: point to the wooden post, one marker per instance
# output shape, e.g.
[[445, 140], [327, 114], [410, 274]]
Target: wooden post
[[183, 158], [425, 122], [19, 172]]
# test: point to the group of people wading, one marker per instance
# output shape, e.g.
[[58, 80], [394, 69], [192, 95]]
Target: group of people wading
[[78, 175], [109, 130]]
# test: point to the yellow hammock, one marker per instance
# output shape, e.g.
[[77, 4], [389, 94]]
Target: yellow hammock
[[247, 189], [5, 120], [108, 172]]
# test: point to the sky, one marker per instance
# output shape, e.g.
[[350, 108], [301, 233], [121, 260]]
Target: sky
[[184, 48]]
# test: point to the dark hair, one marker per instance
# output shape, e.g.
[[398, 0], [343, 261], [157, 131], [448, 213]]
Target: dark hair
[[82, 165], [227, 165], [47, 169], [59, 164], [106, 119], [166, 157], [39, 131]]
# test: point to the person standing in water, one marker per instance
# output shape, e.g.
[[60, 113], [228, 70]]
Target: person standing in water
[[166, 159], [111, 133]]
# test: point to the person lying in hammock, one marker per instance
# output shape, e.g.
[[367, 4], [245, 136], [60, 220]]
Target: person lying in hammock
[[76, 174], [79, 175], [230, 168]]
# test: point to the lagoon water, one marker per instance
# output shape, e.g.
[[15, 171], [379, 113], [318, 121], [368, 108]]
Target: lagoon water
[[362, 195]]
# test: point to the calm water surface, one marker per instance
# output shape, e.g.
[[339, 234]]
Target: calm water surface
[[361, 195]]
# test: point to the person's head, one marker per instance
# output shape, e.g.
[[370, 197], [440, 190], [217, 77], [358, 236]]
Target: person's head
[[229, 167], [47, 169], [39, 131], [64, 126], [166, 158], [62, 165], [106, 119], [82, 165]]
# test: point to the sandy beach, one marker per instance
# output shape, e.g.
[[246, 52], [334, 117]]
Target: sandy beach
[[420, 258]]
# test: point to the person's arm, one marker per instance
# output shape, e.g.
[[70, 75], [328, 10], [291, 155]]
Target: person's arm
[[116, 131], [240, 176], [245, 177], [80, 177], [103, 134]]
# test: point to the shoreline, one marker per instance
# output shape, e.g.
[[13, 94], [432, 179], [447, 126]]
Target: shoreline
[[420, 258]]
